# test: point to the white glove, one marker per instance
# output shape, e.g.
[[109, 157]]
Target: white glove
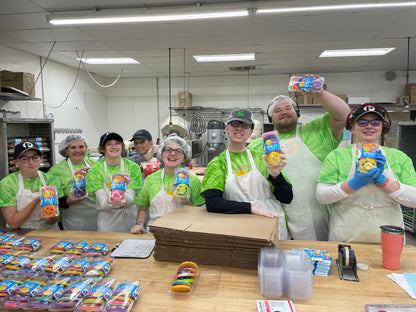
[[261, 211], [102, 200], [275, 170], [137, 229]]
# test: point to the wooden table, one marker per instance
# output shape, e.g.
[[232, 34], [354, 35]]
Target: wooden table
[[237, 289]]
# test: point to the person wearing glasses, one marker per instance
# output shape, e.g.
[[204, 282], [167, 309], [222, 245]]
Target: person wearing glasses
[[78, 213], [240, 181], [117, 215], [20, 191], [363, 198], [157, 198]]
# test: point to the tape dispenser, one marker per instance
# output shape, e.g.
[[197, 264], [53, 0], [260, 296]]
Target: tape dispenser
[[347, 263]]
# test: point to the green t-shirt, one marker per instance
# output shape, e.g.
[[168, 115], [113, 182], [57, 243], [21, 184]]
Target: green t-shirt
[[62, 172], [337, 166], [316, 135], [95, 176], [217, 170], [9, 186], [153, 183]]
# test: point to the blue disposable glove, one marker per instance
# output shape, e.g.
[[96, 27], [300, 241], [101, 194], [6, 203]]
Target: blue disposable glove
[[379, 178], [361, 179]]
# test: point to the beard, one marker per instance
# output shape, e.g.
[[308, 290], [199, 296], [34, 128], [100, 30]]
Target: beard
[[286, 126]]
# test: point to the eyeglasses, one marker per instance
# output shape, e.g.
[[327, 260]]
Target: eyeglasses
[[374, 122], [169, 150], [26, 159], [236, 124]]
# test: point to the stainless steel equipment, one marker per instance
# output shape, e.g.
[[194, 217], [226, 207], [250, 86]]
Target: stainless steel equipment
[[216, 138]]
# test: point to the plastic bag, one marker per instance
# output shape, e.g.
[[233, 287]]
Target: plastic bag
[[79, 184], [306, 84], [117, 189], [181, 183], [49, 201]]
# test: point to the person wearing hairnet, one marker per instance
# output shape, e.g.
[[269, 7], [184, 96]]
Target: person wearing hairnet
[[156, 198], [240, 181], [78, 213], [20, 191], [116, 215], [362, 198], [306, 147]]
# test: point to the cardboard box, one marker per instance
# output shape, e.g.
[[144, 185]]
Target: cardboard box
[[232, 240], [358, 100], [22, 81], [342, 96], [303, 99], [411, 92], [400, 99], [185, 99]]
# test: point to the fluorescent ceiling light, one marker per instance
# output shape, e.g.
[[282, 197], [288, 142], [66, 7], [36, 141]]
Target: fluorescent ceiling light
[[109, 60], [336, 7], [107, 18], [356, 52], [225, 57]]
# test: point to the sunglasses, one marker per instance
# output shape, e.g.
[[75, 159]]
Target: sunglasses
[[236, 124], [374, 122]]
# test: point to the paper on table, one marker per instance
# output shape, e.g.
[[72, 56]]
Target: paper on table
[[275, 305], [134, 248], [411, 279], [401, 280]]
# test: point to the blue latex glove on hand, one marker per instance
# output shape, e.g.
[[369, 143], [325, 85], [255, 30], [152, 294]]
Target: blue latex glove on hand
[[361, 179], [379, 178]]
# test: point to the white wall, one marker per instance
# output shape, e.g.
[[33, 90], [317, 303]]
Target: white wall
[[135, 103]]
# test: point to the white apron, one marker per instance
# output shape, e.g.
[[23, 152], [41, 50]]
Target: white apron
[[357, 218], [254, 188], [307, 219], [23, 198], [119, 219], [162, 203], [80, 216]]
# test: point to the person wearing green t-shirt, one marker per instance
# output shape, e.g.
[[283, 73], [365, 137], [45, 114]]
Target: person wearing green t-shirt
[[78, 211], [240, 181], [306, 147], [366, 183], [115, 214], [20, 191], [157, 197]]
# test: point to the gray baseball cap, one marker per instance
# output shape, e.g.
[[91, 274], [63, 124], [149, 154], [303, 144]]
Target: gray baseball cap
[[242, 115]]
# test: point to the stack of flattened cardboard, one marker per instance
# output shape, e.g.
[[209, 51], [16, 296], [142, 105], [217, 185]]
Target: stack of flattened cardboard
[[192, 234]]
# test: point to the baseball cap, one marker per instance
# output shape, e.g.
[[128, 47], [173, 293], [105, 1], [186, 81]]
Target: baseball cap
[[142, 135], [20, 148], [110, 136], [365, 109], [242, 115]]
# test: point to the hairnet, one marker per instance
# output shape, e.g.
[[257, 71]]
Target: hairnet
[[277, 99], [68, 140], [181, 142]]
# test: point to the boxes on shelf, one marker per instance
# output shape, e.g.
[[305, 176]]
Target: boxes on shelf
[[342, 96], [303, 99], [411, 92], [19, 80], [185, 99], [358, 100], [400, 99]]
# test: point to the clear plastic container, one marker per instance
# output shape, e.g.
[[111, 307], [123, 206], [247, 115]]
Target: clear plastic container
[[271, 272], [298, 275], [285, 273]]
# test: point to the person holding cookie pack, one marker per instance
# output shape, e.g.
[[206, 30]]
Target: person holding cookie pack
[[78, 212], [366, 183], [20, 191]]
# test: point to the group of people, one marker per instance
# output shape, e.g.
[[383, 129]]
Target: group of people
[[317, 191]]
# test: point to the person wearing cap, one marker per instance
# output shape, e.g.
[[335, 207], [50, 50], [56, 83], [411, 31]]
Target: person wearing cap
[[157, 197], [240, 181], [117, 215], [306, 147], [143, 145], [20, 191], [78, 213], [363, 200]]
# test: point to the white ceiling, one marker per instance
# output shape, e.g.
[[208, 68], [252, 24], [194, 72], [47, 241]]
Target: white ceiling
[[283, 43]]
